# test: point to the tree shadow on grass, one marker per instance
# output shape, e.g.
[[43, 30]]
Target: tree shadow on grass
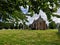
[[58, 34], [58, 40]]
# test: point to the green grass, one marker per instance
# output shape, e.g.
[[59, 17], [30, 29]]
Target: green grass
[[29, 37]]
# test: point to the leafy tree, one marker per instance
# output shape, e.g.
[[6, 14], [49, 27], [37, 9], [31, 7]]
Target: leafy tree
[[52, 25], [11, 8]]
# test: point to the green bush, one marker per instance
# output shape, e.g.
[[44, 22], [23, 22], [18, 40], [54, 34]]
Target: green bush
[[6, 25], [52, 25]]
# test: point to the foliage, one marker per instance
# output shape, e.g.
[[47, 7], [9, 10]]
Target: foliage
[[12, 7], [6, 25], [52, 25], [46, 5], [9, 9], [12, 26]]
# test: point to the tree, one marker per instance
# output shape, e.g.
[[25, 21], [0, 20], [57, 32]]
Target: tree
[[52, 25], [9, 7], [59, 29]]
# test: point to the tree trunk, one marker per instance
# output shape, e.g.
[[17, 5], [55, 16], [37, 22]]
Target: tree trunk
[[59, 28]]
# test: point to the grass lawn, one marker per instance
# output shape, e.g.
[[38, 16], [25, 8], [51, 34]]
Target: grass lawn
[[29, 37]]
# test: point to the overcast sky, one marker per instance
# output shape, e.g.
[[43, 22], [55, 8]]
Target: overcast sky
[[43, 15]]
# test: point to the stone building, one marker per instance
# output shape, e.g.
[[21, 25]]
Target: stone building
[[38, 24]]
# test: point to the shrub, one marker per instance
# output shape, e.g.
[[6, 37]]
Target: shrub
[[52, 25]]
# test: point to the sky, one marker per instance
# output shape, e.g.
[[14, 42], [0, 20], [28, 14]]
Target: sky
[[57, 20], [24, 10], [42, 14]]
